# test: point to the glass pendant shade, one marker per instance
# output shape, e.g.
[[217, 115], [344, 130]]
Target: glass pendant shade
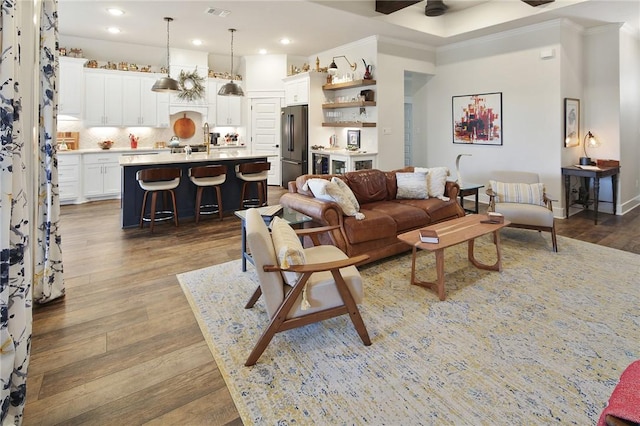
[[231, 88], [166, 84]]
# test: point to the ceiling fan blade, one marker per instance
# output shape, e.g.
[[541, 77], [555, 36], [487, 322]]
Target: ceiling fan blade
[[535, 3], [389, 6]]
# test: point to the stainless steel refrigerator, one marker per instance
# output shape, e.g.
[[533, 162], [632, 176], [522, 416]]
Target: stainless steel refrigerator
[[294, 142]]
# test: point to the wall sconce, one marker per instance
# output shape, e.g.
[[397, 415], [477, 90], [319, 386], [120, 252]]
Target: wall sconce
[[333, 68], [590, 141]]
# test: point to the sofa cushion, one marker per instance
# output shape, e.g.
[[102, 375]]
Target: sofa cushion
[[412, 185], [318, 188], [436, 209], [331, 191], [406, 216], [522, 193], [304, 189], [367, 185], [376, 225]]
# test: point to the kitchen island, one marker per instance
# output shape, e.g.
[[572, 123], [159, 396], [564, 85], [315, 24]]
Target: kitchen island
[[132, 194]]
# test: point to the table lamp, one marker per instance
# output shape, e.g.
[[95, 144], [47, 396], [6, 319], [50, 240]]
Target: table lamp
[[590, 141]]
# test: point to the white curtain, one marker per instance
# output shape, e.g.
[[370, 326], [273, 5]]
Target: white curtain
[[20, 239]]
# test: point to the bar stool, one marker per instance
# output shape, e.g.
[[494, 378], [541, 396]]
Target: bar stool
[[154, 181], [253, 173], [208, 176]]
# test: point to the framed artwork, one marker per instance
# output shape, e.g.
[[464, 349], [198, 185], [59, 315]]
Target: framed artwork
[[353, 139], [477, 119], [571, 122]]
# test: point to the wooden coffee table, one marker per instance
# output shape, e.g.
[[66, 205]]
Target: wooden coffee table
[[453, 232]]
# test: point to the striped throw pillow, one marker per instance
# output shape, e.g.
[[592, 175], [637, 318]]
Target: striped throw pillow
[[522, 193]]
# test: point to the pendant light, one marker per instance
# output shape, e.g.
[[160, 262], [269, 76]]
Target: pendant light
[[231, 88], [166, 84]]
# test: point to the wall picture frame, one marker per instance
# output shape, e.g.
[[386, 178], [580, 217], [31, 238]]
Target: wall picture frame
[[353, 139], [477, 119], [571, 122]]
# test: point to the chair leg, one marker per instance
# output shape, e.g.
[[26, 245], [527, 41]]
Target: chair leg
[[354, 313], [154, 200], [144, 203], [243, 194], [198, 202], [175, 208], [553, 239], [219, 195], [254, 298]]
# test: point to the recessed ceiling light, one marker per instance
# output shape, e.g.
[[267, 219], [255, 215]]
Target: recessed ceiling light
[[113, 30], [285, 41], [262, 51], [196, 42], [115, 12]]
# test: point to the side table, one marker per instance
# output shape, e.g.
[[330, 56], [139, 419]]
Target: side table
[[470, 189], [293, 217], [592, 172]]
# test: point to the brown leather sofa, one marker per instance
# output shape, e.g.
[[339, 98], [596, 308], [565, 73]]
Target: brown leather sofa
[[385, 216]]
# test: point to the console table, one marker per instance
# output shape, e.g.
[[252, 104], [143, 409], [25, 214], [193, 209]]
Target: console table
[[596, 174]]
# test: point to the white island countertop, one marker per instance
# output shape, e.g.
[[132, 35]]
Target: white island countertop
[[178, 158]]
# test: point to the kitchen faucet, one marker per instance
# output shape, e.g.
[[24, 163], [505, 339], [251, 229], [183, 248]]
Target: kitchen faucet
[[207, 135]]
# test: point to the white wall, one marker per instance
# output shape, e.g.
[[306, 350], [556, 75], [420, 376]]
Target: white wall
[[629, 120], [532, 110]]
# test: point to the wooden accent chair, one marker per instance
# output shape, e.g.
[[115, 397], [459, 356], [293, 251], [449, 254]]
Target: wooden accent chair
[[521, 198], [333, 285]]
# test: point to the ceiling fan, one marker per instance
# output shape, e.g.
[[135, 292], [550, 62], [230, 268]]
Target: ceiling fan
[[433, 7]]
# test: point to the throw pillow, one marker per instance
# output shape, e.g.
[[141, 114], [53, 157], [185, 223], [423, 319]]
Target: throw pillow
[[436, 180], [343, 200], [412, 185], [318, 188], [288, 248], [347, 191], [523, 193]]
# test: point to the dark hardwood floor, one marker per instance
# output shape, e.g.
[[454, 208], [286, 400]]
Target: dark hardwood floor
[[123, 347]]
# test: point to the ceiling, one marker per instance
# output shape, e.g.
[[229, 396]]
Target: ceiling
[[317, 26]]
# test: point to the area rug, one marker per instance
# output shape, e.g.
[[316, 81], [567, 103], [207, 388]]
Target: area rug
[[543, 341]]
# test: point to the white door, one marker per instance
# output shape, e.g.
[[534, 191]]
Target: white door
[[265, 133]]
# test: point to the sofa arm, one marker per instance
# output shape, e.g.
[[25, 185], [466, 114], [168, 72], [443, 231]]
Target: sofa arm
[[323, 212], [451, 189]]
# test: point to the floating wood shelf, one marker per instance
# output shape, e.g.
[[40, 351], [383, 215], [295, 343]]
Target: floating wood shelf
[[349, 84], [349, 104], [349, 124]]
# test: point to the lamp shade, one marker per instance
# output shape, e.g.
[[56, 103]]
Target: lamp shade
[[166, 84], [231, 89], [333, 68]]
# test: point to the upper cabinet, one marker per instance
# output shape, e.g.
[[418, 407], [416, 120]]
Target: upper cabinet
[[348, 105], [70, 91], [296, 90], [140, 104], [228, 109], [103, 98]]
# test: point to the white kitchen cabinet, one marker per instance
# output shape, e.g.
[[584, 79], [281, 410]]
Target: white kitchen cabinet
[[344, 163], [103, 98], [101, 175], [228, 109], [162, 110], [139, 106], [296, 90], [69, 178], [212, 97], [71, 88]]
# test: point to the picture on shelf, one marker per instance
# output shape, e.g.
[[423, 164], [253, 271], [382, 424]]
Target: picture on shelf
[[353, 139]]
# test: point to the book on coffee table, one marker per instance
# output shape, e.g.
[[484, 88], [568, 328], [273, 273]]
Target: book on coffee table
[[429, 236]]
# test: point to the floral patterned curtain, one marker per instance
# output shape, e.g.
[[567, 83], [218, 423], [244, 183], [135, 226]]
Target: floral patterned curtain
[[17, 198]]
